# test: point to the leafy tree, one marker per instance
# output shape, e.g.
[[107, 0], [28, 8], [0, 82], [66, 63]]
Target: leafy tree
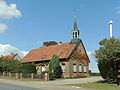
[[28, 68], [54, 66], [107, 57], [49, 43], [12, 66]]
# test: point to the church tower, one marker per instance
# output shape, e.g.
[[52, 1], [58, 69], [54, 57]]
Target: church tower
[[75, 31]]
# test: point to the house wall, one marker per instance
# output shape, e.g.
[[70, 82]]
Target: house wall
[[69, 64]]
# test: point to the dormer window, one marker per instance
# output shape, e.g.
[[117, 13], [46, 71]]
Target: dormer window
[[43, 57]]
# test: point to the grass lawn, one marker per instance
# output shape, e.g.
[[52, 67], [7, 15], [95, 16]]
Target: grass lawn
[[21, 79], [99, 86]]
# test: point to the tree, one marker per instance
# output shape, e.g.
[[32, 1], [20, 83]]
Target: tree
[[28, 68], [108, 55], [54, 66], [49, 43], [12, 66]]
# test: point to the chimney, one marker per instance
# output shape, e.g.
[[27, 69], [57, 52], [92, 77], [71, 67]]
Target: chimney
[[60, 42]]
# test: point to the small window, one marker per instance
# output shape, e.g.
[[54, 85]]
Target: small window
[[80, 68], [85, 69], [43, 68], [73, 34], [43, 57], [76, 34], [74, 67], [63, 67]]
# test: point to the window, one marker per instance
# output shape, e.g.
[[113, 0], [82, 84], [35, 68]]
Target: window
[[80, 68], [63, 67], [73, 35], [85, 69], [43, 57], [74, 67], [76, 34], [43, 68]]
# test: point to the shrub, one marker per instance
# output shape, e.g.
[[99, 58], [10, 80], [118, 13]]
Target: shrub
[[28, 68], [54, 67], [80, 75], [108, 56]]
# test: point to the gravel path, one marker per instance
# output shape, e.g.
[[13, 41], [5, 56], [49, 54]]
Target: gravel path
[[55, 85]]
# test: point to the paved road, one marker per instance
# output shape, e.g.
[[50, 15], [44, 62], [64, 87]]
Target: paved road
[[4, 86], [53, 85]]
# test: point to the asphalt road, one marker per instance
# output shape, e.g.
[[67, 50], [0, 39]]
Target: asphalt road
[[4, 86]]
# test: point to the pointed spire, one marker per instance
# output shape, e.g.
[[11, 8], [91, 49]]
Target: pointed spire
[[75, 23]]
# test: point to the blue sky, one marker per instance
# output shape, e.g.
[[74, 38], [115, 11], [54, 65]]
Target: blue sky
[[45, 20]]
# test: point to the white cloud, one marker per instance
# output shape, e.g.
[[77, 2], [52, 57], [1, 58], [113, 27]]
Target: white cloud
[[6, 49], [8, 11], [3, 27]]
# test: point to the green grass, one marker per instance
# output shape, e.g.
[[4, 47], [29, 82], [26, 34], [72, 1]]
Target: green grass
[[95, 74], [21, 79], [99, 86]]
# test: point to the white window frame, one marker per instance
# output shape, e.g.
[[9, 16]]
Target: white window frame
[[63, 67], [74, 68], [43, 68], [85, 68], [80, 68]]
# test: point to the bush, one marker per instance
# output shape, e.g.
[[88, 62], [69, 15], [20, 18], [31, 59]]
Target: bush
[[51, 75], [54, 67], [28, 68], [108, 56], [80, 75], [12, 66]]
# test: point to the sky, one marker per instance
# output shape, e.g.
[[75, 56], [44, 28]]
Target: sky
[[26, 24]]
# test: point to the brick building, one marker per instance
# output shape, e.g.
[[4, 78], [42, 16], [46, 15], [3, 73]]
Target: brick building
[[72, 56]]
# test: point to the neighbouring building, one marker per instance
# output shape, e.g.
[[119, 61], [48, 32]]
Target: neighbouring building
[[72, 56], [11, 57]]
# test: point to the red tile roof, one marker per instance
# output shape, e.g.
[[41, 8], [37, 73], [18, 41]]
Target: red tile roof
[[45, 53], [8, 57]]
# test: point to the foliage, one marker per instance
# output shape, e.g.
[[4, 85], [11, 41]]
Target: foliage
[[54, 67], [12, 66], [51, 75], [43, 63], [95, 74], [28, 68], [107, 57], [81, 57], [80, 75], [49, 43]]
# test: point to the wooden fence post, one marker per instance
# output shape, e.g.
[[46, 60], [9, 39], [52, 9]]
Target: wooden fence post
[[46, 77], [3, 74], [9, 75], [32, 76], [17, 75]]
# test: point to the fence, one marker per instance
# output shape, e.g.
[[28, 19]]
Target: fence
[[25, 76]]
